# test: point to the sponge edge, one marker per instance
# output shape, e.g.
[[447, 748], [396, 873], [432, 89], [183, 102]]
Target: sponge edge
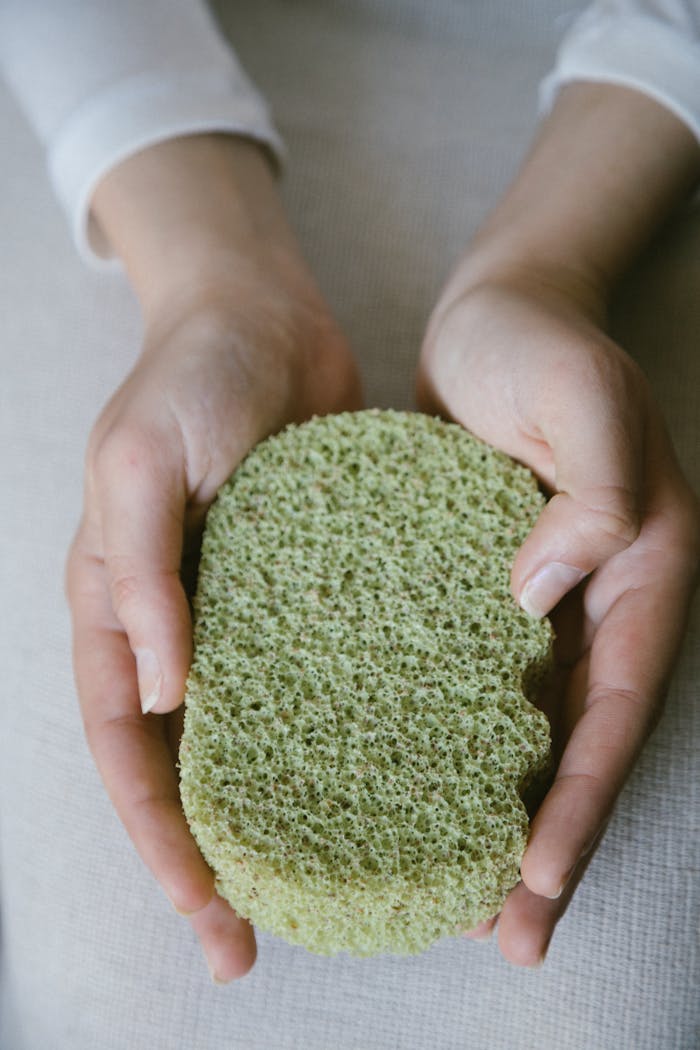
[[357, 731]]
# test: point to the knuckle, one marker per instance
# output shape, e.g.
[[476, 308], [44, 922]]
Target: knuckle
[[133, 584], [124, 588], [624, 708], [103, 734], [615, 515], [613, 696], [123, 452], [615, 375]]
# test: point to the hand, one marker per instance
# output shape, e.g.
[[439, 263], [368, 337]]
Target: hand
[[523, 364], [233, 350]]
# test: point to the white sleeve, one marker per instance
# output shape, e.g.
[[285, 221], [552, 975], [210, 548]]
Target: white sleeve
[[101, 79], [650, 45]]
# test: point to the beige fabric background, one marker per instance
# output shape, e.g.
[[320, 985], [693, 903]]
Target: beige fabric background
[[404, 121]]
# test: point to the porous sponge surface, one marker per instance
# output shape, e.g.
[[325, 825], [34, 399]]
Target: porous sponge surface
[[357, 733]]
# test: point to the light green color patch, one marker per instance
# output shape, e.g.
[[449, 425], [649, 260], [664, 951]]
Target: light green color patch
[[357, 736]]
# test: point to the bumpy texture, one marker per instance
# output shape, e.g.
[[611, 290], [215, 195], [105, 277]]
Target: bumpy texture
[[357, 734]]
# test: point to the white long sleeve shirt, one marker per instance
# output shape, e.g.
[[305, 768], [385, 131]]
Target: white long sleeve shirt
[[650, 45], [100, 80]]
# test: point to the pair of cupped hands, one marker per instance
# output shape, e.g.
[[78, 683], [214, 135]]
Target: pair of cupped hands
[[239, 342]]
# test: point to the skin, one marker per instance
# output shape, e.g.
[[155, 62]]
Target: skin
[[516, 351], [238, 342]]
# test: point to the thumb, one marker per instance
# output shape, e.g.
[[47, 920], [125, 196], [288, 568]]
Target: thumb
[[141, 495], [596, 438]]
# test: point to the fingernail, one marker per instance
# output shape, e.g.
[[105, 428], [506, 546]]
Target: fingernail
[[542, 592], [150, 678], [215, 978], [557, 895], [481, 933], [562, 887], [180, 911]]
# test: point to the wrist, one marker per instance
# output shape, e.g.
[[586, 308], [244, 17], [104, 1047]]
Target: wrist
[[607, 168], [191, 217], [563, 282]]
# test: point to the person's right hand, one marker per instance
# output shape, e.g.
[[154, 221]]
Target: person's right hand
[[226, 361]]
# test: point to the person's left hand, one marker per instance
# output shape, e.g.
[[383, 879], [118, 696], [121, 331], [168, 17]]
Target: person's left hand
[[525, 367]]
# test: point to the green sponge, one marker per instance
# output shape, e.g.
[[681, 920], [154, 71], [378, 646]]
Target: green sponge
[[357, 734]]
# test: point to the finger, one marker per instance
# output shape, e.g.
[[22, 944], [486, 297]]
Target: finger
[[483, 931], [527, 922], [594, 426], [622, 686], [526, 926], [132, 753], [140, 491], [227, 940]]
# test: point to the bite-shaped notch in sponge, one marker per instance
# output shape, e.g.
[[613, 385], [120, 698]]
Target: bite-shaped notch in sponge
[[358, 733]]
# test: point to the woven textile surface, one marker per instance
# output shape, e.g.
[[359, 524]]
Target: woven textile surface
[[403, 121]]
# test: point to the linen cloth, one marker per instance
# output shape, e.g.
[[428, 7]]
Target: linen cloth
[[403, 122]]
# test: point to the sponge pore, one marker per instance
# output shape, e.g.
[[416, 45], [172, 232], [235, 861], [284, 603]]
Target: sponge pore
[[358, 733]]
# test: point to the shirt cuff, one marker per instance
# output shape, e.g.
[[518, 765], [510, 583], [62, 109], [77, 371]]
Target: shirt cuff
[[139, 112], [636, 52]]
